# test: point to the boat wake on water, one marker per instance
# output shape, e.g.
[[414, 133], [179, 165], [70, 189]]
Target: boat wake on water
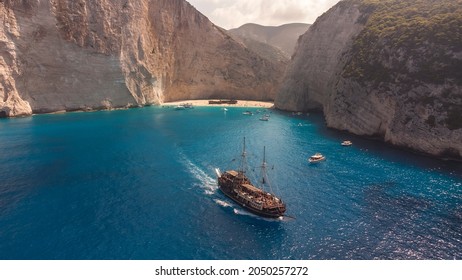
[[222, 203], [207, 183], [242, 212], [236, 211], [246, 213]]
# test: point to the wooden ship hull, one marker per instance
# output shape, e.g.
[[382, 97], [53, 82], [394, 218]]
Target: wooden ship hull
[[238, 187]]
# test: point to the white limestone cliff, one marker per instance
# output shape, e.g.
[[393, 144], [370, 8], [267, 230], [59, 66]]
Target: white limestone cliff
[[307, 83], [66, 55], [11, 104], [412, 115]]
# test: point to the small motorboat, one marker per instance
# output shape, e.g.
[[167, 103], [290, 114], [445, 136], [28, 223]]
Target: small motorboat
[[347, 143], [316, 158], [265, 118], [248, 113]]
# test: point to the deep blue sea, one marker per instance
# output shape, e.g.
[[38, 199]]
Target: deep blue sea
[[140, 184]]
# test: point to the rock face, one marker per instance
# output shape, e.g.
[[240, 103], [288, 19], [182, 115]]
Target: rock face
[[313, 67], [11, 104], [372, 72], [79, 55]]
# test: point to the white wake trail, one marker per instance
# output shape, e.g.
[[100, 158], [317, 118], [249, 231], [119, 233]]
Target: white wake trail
[[222, 203], [206, 182]]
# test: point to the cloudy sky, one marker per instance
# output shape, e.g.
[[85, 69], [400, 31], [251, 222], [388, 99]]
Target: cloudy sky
[[234, 13]]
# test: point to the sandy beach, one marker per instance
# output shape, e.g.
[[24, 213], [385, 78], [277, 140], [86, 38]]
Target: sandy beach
[[205, 102]]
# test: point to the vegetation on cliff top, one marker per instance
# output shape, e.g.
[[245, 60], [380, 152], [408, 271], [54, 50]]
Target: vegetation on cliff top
[[419, 38]]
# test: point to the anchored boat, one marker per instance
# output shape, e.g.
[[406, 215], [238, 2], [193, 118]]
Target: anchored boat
[[347, 143], [316, 158]]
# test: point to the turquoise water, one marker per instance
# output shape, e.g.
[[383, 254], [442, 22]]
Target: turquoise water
[[140, 184]]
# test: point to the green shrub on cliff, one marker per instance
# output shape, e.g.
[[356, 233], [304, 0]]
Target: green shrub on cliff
[[414, 37]]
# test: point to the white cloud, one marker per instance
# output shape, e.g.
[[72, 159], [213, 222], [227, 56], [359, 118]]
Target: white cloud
[[233, 13]]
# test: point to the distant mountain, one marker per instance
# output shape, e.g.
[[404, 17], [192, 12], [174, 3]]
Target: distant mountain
[[282, 37], [264, 50]]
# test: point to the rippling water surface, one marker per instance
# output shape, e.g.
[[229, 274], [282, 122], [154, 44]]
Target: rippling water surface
[[140, 184]]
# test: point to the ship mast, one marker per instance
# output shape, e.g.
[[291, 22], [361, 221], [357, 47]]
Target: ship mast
[[243, 160], [264, 175]]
